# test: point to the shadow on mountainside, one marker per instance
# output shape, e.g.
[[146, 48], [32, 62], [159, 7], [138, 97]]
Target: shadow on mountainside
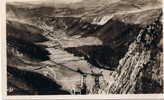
[[37, 83], [116, 37]]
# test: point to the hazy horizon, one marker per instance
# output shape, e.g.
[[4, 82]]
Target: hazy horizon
[[41, 1]]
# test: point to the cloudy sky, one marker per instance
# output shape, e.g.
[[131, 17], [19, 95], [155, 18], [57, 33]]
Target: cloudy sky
[[55, 1]]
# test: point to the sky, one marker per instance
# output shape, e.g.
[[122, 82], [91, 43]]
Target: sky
[[55, 1]]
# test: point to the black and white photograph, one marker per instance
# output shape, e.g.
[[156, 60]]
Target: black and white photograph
[[84, 47]]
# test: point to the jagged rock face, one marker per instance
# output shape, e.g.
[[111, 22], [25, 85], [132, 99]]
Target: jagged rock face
[[135, 70], [115, 53]]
